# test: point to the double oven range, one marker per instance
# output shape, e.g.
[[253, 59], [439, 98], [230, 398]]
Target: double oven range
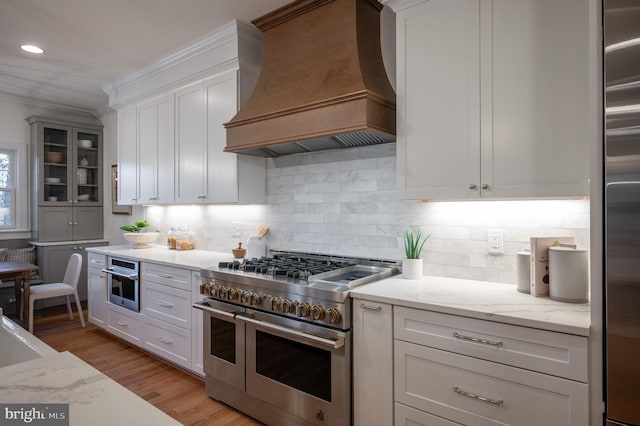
[[277, 334]]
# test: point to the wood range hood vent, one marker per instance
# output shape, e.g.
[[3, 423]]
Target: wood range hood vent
[[322, 84]]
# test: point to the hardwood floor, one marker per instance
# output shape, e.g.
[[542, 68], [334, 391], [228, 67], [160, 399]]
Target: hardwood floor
[[170, 389]]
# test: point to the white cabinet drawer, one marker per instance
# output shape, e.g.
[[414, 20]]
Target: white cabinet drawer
[[95, 260], [450, 386], [168, 341], [407, 416], [167, 304], [558, 354], [167, 275], [125, 324]]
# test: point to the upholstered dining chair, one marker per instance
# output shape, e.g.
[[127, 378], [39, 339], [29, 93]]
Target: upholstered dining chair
[[68, 287]]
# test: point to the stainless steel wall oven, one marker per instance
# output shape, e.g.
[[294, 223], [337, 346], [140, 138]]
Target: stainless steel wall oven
[[277, 335], [124, 283]]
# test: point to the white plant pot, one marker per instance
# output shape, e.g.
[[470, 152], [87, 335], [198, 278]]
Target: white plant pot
[[412, 269]]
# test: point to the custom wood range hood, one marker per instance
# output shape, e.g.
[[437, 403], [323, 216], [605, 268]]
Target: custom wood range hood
[[322, 84]]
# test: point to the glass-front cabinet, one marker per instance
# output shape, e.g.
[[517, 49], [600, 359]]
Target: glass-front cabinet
[[71, 166], [68, 181]]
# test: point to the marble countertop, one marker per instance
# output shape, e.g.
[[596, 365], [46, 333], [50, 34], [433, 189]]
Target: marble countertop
[[93, 398], [189, 259], [478, 299]]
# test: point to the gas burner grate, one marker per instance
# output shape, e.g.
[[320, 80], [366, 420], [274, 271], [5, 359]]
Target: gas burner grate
[[296, 267]]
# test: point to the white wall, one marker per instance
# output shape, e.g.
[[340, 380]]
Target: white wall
[[345, 202]]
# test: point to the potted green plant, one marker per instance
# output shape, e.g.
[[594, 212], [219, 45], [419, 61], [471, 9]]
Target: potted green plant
[[412, 265]]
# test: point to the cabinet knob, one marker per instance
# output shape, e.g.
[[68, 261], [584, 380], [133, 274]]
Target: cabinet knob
[[75, 223], [485, 186], [70, 223], [473, 186]]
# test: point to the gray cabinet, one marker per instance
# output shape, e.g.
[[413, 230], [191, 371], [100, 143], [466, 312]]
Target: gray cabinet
[[66, 161], [53, 259]]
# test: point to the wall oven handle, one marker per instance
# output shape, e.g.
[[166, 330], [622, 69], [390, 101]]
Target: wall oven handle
[[331, 343], [205, 307], [118, 274]]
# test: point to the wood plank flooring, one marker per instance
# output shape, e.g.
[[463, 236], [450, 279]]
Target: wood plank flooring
[[174, 391]]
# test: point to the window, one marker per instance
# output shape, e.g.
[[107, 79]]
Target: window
[[14, 190]]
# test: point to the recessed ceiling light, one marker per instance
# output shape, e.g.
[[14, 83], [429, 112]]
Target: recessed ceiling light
[[31, 48]]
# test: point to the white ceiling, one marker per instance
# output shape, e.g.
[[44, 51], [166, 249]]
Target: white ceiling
[[92, 42]]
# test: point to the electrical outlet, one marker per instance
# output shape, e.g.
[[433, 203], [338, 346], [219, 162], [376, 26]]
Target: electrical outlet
[[495, 242], [236, 229]]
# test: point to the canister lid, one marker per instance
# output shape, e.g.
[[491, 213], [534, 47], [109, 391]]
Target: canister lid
[[568, 249]]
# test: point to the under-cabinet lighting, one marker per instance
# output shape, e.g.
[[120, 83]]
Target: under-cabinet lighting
[[32, 48]]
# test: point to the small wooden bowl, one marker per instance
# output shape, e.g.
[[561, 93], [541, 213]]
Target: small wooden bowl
[[54, 157], [239, 253]]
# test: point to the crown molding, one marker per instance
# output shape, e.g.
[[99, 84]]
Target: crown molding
[[46, 105], [140, 82], [398, 5]]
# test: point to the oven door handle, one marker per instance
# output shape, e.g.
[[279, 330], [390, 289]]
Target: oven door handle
[[330, 343], [117, 274], [207, 308]]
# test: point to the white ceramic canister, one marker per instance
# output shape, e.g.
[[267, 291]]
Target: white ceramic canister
[[523, 268], [256, 247], [569, 274]]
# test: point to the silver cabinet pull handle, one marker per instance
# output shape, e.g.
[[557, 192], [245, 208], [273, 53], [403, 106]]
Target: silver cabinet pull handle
[[165, 304], [478, 397], [163, 340], [169, 277], [371, 308], [124, 324], [476, 340], [473, 186], [485, 186]]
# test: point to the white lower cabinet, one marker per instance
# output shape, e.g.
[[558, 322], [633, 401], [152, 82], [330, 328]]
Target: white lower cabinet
[[167, 341], [125, 324], [372, 363], [454, 370], [197, 330], [97, 294]]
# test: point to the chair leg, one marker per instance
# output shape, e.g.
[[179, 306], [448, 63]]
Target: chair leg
[[31, 303], [69, 308], [79, 308]]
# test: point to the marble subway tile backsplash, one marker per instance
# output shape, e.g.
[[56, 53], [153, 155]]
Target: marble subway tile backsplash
[[344, 202]]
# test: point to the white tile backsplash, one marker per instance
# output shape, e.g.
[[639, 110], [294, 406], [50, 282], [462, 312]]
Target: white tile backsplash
[[345, 202]]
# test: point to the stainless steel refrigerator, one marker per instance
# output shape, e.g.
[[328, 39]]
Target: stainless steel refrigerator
[[622, 214]]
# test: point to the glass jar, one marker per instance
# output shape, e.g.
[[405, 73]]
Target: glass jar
[[172, 238], [184, 241]]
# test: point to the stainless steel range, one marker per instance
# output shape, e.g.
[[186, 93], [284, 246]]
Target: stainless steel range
[[277, 334]]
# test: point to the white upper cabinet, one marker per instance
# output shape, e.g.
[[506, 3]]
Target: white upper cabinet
[[156, 151], [171, 136], [493, 98]]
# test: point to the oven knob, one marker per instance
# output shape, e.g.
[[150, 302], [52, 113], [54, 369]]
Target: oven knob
[[255, 299], [223, 292], [334, 316], [244, 296], [216, 290], [287, 306], [275, 303], [317, 312], [205, 288], [233, 294], [304, 309]]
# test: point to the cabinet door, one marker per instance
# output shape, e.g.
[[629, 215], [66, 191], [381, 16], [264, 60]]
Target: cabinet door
[[87, 223], [538, 112], [53, 147], [439, 100], [127, 157], [372, 363], [222, 167], [156, 149], [197, 329], [86, 185], [55, 224], [191, 150], [97, 297]]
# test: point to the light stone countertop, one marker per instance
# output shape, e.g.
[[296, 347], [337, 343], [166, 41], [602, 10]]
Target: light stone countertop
[[93, 398], [478, 299], [188, 259]]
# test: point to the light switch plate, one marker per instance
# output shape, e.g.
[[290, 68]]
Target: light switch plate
[[495, 241]]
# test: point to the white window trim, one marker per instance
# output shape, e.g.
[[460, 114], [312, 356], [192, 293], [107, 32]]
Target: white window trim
[[22, 213]]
